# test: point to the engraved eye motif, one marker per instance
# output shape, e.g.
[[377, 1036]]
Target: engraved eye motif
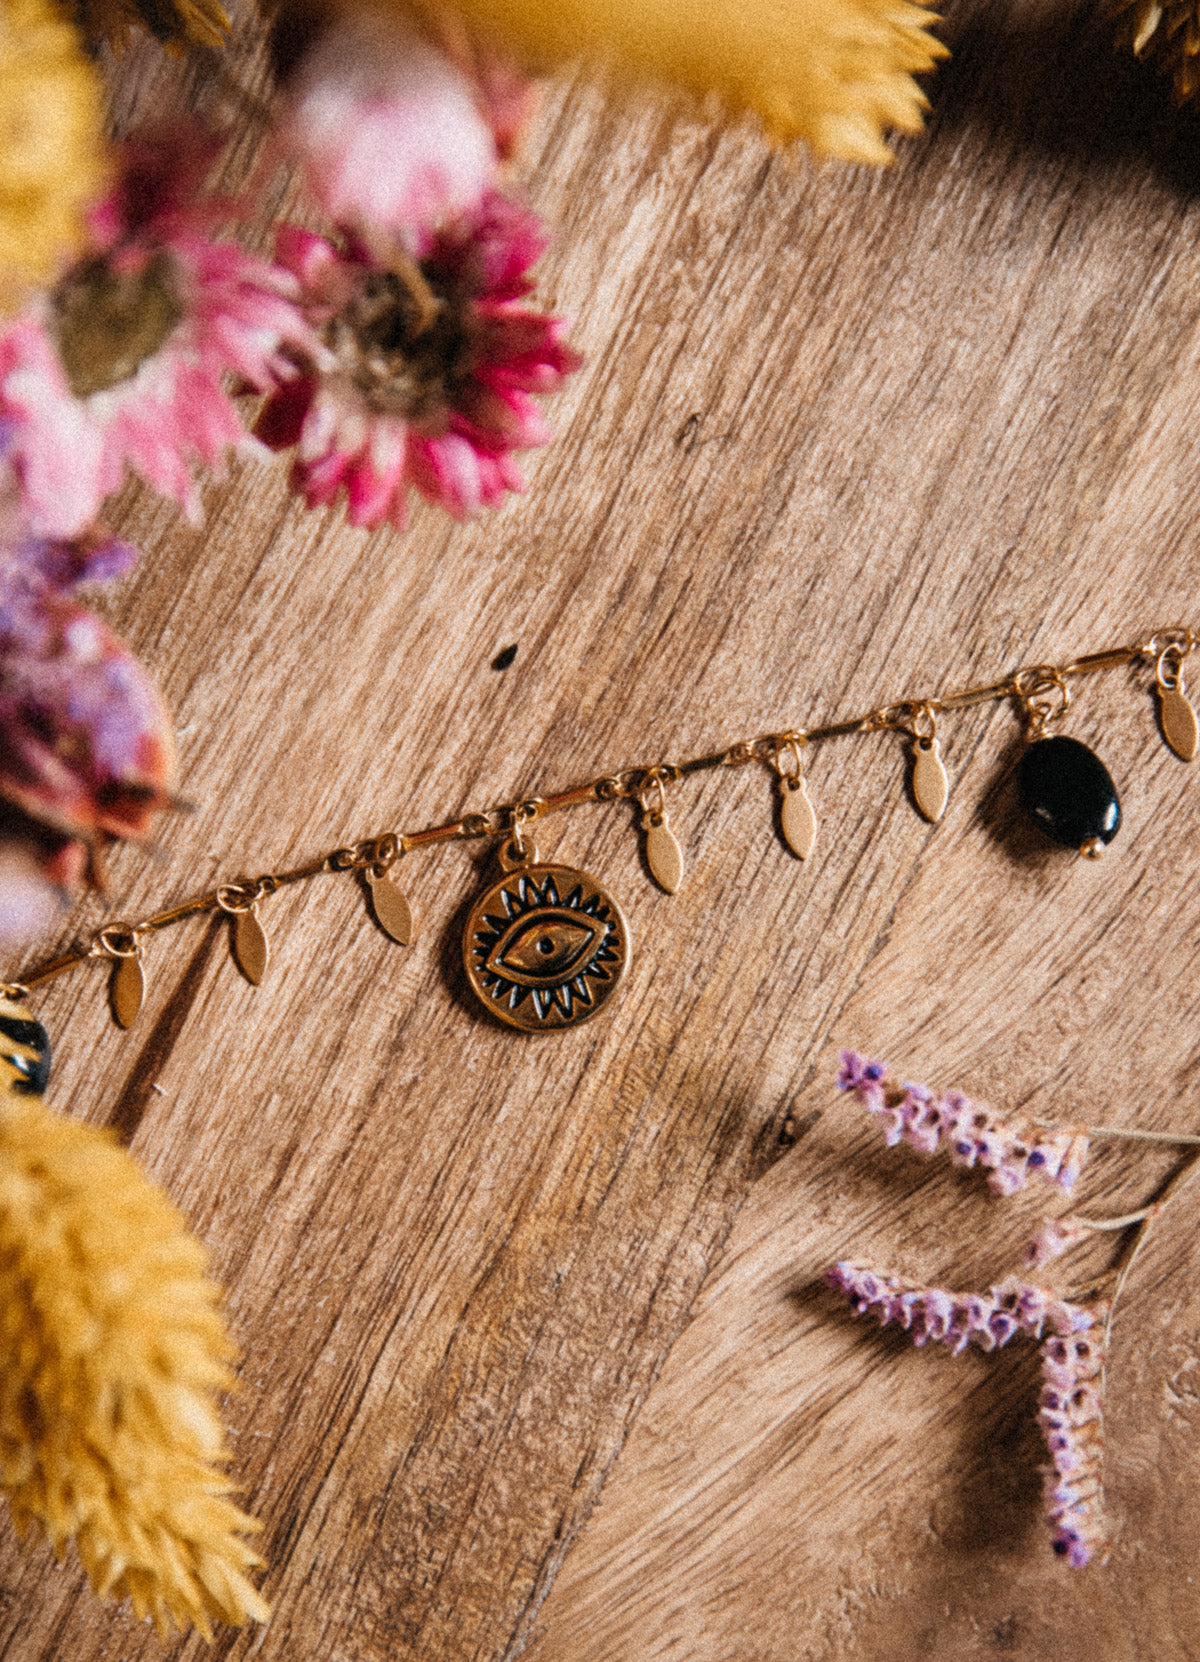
[[545, 947]]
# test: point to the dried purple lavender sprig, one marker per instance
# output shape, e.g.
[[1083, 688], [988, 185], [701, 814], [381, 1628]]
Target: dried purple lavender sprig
[[988, 1320], [1070, 1406], [1078, 1328], [1012, 1150], [1071, 1414]]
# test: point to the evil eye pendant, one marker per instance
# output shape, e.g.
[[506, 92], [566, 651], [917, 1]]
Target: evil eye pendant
[[546, 946]]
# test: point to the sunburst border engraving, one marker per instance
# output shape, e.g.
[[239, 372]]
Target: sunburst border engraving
[[580, 994]]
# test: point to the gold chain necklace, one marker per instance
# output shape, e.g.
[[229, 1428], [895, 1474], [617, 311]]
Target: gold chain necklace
[[545, 946]]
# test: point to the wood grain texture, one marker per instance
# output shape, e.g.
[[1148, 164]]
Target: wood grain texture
[[841, 436]]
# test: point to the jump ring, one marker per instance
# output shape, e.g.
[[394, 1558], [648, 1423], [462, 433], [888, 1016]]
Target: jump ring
[[781, 742], [115, 940], [237, 897]]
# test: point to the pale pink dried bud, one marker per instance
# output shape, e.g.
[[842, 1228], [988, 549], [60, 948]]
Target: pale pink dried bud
[[1051, 1238], [388, 130], [1072, 1161], [29, 901]]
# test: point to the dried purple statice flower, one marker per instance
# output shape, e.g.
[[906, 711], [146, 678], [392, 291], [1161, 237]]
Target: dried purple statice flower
[[1012, 1150], [1071, 1414], [988, 1320], [1070, 1407]]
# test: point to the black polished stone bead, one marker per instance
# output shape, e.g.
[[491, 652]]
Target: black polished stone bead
[[24, 1051], [1067, 789]]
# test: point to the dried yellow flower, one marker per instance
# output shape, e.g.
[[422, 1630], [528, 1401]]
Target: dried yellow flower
[[1167, 33], [178, 24], [52, 158], [836, 73], [112, 1350]]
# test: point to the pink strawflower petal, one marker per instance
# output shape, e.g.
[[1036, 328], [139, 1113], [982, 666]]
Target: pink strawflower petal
[[428, 372], [123, 365]]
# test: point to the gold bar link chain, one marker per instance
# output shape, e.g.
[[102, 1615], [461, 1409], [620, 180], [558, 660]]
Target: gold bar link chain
[[1032, 687]]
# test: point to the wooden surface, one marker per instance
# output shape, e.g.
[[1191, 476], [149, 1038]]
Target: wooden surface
[[842, 435]]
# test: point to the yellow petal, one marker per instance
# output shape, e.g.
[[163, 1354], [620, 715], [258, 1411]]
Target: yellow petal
[[112, 1351], [836, 73], [52, 155]]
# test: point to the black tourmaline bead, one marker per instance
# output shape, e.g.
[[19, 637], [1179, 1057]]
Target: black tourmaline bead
[[1066, 788]]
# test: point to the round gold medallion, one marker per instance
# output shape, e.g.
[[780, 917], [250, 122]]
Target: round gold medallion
[[545, 947]]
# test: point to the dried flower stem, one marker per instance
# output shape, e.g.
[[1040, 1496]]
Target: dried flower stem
[[1180, 1139], [1120, 1272], [1127, 1222]]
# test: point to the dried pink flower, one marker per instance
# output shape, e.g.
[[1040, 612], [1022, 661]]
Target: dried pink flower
[[86, 749], [430, 371], [1071, 1414], [1011, 1150], [387, 129], [506, 96], [30, 899], [122, 364], [1051, 1238]]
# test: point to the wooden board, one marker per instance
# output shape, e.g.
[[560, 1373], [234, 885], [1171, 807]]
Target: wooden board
[[841, 436]]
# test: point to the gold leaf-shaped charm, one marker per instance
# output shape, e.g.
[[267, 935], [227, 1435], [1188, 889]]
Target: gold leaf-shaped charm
[[1178, 720], [930, 786], [127, 990], [663, 854], [797, 817], [392, 912], [251, 948]]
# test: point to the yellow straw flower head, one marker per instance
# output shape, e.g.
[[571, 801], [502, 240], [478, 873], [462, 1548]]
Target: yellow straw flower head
[[51, 150], [1168, 33], [112, 1350], [836, 73], [178, 24]]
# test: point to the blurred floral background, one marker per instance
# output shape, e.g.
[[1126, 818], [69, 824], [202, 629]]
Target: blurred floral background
[[398, 346]]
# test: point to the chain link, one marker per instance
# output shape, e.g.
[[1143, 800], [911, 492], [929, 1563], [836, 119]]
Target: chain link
[[1185, 639], [1043, 690]]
